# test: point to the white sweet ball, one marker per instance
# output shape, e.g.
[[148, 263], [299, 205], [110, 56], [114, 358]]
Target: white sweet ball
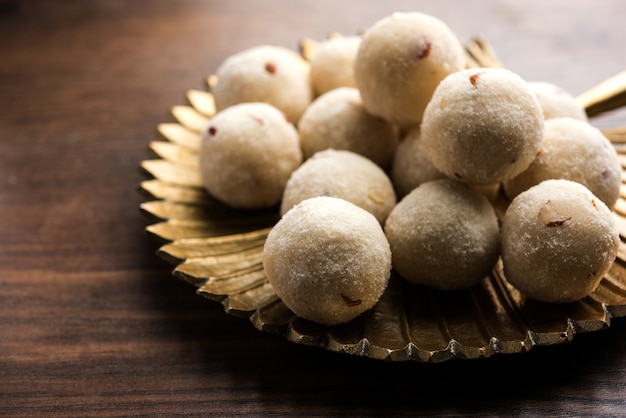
[[328, 260], [482, 126]]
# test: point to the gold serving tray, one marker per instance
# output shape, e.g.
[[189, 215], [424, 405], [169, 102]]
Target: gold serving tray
[[219, 251]]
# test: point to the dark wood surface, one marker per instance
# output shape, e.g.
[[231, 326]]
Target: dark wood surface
[[93, 324]]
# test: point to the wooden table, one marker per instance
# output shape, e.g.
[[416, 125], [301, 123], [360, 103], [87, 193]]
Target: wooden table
[[93, 324]]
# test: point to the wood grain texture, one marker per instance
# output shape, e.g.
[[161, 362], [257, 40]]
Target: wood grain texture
[[92, 323]]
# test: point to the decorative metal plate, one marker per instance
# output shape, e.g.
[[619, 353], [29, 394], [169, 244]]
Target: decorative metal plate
[[219, 251]]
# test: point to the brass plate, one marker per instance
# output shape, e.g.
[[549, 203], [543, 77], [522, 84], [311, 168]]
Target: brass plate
[[219, 251]]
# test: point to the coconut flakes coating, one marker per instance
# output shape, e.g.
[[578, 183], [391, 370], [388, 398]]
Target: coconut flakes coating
[[444, 235], [558, 241], [337, 119], [266, 73], [573, 149], [410, 166], [556, 102], [482, 126], [345, 175], [248, 154], [332, 66], [328, 260], [401, 60]]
